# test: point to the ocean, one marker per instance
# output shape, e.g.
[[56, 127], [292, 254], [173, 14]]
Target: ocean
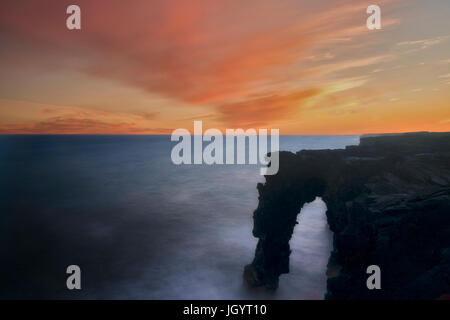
[[139, 226]]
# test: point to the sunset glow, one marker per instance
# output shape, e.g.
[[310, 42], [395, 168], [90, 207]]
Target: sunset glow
[[149, 67]]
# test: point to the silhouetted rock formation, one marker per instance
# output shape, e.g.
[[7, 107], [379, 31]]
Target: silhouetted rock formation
[[388, 204]]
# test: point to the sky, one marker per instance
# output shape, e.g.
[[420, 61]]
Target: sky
[[149, 67]]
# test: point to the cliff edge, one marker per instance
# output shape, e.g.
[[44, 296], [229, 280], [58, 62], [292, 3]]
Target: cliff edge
[[388, 203]]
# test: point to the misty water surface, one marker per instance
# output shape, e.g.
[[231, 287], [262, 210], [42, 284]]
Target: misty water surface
[[137, 225]]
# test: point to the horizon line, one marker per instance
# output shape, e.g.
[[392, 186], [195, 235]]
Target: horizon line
[[168, 134]]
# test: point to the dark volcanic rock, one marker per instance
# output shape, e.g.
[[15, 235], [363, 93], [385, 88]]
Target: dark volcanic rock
[[388, 204]]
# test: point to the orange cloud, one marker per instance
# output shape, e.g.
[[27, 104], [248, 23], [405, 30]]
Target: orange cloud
[[62, 125], [260, 112], [235, 63], [197, 51]]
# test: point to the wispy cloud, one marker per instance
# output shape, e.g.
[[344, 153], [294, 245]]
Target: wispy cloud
[[225, 61], [424, 43], [261, 111]]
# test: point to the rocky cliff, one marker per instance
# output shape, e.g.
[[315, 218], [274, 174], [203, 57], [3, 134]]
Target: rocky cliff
[[388, 203]]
